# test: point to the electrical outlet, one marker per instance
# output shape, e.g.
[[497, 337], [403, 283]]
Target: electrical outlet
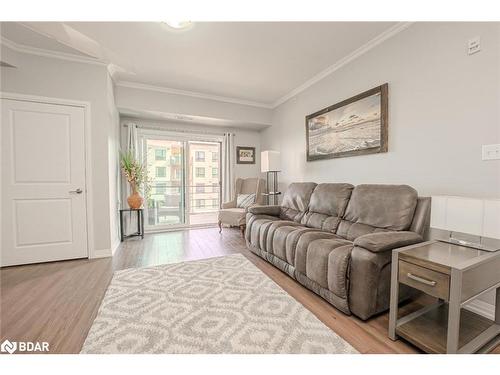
[[474, 45], [491, 152]]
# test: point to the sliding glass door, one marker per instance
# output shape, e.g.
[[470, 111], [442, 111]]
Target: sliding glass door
[[185, 181], [166, 199], [203, 182]]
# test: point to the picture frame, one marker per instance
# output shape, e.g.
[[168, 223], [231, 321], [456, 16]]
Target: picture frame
[[245, 155], [355, 126]]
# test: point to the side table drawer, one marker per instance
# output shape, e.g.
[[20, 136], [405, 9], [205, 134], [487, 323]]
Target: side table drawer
[[428, 281]]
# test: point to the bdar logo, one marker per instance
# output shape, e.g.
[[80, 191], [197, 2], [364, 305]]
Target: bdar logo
[[8, 346]]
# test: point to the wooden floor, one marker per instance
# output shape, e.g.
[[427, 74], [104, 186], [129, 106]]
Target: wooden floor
[[57, 302]]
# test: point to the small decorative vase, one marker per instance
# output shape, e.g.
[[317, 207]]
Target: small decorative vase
[[135, 200]]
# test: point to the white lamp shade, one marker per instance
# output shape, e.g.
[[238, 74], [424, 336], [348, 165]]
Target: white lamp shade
[[270, 161], [480, 217]]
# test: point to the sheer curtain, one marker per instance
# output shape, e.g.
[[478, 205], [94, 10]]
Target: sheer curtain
[[228, 155]]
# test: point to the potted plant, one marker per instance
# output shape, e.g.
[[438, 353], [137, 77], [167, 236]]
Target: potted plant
[[136, 174]]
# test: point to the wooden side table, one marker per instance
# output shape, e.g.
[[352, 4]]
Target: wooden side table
[[455, 275], [140, 223]]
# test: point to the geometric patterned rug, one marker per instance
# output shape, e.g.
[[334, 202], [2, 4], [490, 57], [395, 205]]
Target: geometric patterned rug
[[216, 305]]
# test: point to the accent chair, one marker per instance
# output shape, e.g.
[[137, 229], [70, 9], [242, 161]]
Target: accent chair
[[247, 193]]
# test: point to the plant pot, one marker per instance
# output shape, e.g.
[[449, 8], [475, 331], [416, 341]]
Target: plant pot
[[135, 200]]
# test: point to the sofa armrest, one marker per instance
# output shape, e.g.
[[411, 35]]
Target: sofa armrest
[[230, 204], [382, 241], [265, 210]]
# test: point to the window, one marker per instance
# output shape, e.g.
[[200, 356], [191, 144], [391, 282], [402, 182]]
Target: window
[[177, 174], [176, 159], [161, 188], [200, 172], [200, 203], [160, 154], [215, 187], [215, 156], [215, 172], [200, 188], [161, 171], [200, 155]]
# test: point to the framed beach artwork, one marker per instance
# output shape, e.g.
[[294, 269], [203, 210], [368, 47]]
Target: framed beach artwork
[[355, 126]]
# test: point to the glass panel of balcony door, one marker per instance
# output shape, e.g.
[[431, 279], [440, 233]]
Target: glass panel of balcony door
[[165, 161], [203, 172]]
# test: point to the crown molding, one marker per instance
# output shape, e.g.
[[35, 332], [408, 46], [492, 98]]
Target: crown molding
[[142, 86], [49, 53], [400, 26], [193, 94]]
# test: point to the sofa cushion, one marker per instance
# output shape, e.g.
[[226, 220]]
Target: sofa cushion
[[296, 201], [378, 207], [264, 231], [303, 244], [285, 241], [250, 219], [256, 226], [338, 270], [292, 241], [279, 240], [327, 205], [273, 227], [317, 261]]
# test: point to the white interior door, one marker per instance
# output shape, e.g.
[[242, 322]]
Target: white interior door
[[43, 182]]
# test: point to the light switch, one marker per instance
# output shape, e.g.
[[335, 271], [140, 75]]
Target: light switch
[[491, 152], [474, 45]]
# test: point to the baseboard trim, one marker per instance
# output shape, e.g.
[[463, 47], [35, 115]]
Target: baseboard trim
[[102, 253], [482, 308], [114, 247]]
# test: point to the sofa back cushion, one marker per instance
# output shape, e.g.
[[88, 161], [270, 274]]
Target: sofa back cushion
[[374, 208], [296, 200], [327, 205]]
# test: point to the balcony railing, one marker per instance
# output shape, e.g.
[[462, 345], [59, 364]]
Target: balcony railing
[[166, 203]]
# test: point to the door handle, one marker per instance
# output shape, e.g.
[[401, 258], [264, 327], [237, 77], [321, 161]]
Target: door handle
[[77, 191], [421, 279]]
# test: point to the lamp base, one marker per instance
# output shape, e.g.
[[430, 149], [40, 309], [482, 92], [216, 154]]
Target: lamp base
[[272, 187]]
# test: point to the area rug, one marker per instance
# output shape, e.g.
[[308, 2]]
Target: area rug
[[216, 305]]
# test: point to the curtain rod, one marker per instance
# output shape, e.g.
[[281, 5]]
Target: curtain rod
[[152, 127]]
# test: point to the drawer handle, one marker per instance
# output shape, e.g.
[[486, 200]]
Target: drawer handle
[[421, 279]]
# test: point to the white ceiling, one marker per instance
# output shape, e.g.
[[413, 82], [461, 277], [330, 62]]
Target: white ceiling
[[253, 61]]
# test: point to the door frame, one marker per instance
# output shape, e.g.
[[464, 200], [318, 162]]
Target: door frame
[[91, 251]]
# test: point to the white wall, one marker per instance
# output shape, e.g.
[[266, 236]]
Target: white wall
[[443, 105], [49, 77], [156, 101], [242, 137]]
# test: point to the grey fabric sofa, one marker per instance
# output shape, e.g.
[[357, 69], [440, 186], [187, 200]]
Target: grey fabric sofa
[[336, 239]]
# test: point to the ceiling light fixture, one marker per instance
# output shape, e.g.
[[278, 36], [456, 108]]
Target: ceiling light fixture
[[178, 25]]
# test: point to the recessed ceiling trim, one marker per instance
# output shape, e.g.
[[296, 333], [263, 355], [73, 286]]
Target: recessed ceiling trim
[[168, 90], [347, 59], [49, 53]]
